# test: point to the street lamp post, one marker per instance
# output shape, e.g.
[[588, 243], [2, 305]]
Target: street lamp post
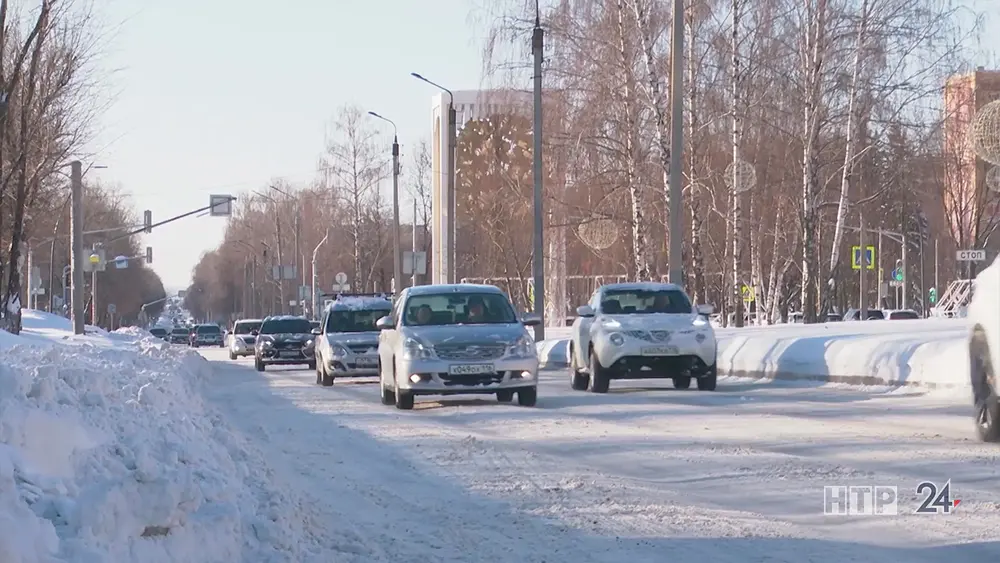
[[397, 260], [676, 250], [538, 256], [450, 199], [315, 278]]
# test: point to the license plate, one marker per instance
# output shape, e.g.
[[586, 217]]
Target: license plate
[[290, 354], [471, 369], [660, 351], [363, 361]]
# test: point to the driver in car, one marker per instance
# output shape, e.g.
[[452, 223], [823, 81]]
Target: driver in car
[[424, 315], [476, 310], [661, 304]]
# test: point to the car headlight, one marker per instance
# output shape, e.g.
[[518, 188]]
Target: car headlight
[[338, 351], [616, 338], [524, 347], [414, 349], [308, 343], [265, 343]]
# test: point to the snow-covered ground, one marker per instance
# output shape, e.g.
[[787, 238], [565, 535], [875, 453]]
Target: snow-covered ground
[[926, 353], [117, 448], [108, 454], [644, 473]]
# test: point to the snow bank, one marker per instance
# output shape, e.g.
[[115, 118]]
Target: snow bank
[[927, 353], [108, 454]]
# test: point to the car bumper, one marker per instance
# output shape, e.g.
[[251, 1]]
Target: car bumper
[[216, 342], [681, 353], [434, 377], [348, 366], [239, 348], [271, 357]]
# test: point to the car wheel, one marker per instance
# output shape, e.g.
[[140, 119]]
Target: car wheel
[[319, 374], [326, 377], [682, 382], [577, 381], [312, 364], [505, 396], [404, 399], [258, 363], [707, 382], [986, 401], [387, 395], [527, 397], [232, 355], [600, 381]]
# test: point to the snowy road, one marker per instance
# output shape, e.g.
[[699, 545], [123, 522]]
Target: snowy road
[[644, 473]]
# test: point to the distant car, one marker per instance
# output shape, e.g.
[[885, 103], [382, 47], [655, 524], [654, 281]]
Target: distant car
[[901, 315], [179, 335], [984, 352], [456, 339], [284, 340], [642, 331], [207, 335], [871, 315], [347, 338], [159, 332], [241, 340]]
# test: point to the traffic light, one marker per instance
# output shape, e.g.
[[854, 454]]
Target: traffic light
[[932, 295], [147, 221]]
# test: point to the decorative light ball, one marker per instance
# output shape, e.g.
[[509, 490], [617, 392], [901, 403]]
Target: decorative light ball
[[740, 176], [598, 234], [993, 178], [985, 133]]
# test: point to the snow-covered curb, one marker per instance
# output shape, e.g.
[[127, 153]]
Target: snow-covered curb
[[926, 353], [108, 454]]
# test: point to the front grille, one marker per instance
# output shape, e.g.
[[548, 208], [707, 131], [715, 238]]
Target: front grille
[[660, 335], [473, 379], [287, 345], [470, 352], [639, 335], [361, 348]]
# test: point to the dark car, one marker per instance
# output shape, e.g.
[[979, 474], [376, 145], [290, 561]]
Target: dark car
[[179, 335], [207, 335], [284, 340], [159, 332]]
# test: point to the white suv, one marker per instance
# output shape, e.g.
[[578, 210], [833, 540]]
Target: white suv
[[347, 340], [984, 351], [241, 340], [456, 339], [642, 331]]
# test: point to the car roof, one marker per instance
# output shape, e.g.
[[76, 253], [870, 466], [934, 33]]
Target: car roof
[[437, 289], [359, 303], [249, 321], [284, 318], [641, 286]]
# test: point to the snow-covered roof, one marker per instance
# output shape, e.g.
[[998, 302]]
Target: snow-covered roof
[[641, 286], [359, 303]]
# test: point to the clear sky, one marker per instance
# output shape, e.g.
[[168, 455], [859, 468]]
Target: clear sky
[[221, 96]]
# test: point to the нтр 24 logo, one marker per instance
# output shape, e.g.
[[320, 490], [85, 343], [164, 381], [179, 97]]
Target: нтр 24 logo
[[936, 500]]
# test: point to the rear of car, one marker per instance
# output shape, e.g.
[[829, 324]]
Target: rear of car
[[179, 335], [159, 332], [347, 338], [207, 335], [243, 337]]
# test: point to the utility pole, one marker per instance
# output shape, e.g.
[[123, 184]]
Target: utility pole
[[298, 254], [413, 248], [538, 255], [863, 293], [76, 245], [676, 259], [93, 293], [397, 259], [906, 273]]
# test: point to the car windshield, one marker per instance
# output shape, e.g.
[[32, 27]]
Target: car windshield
[[354, 320], [179, 331], [245, 328], [208, 329], [459, 308], [644, 302], [286, 326], [157, 331]]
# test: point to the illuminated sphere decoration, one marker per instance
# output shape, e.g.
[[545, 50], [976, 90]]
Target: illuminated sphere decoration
[[598, 234], [985, 133], [740, 176]]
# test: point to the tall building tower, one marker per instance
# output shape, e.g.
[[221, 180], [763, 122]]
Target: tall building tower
[[469, 105]]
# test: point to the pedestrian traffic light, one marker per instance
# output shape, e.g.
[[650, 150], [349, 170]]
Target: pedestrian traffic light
[[932, 295]]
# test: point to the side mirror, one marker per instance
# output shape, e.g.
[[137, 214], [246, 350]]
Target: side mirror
[[530, 319], [705, 309], [316, 331], [385, 323], [585, 311]]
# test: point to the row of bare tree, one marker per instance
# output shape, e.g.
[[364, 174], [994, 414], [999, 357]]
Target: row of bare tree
[[49, 101], [805, 120]]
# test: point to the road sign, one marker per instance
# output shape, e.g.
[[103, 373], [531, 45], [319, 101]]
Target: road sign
[[341, 287], [285, 272], [895, 283], [856, 257], [112, 309], [341, 278], [748, 295], [897, 275], [220, 205], [970, 255], [414, 261], [121, 262]]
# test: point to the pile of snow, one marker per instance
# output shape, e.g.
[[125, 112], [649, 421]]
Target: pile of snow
[[928, 353], [108, 454]]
